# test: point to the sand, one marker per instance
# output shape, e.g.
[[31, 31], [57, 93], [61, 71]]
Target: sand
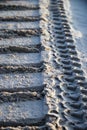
[[76, 11]]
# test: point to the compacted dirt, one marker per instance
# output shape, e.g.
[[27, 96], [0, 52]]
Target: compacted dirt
[[42, 85]]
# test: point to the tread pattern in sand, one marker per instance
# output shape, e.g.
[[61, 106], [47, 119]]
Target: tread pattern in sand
[[42, 85]]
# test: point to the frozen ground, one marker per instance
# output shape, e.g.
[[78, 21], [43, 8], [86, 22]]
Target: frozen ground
[[77, 15]]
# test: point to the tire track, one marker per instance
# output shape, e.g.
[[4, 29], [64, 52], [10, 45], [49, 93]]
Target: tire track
[[71, 104], [42, 85], [22, 66]]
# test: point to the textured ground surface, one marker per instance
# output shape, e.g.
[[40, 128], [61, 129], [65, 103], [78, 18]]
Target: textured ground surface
[[76, 13], [42, 84]]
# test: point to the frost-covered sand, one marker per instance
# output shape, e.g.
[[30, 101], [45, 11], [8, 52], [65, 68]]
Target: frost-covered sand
[[77, 14]]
